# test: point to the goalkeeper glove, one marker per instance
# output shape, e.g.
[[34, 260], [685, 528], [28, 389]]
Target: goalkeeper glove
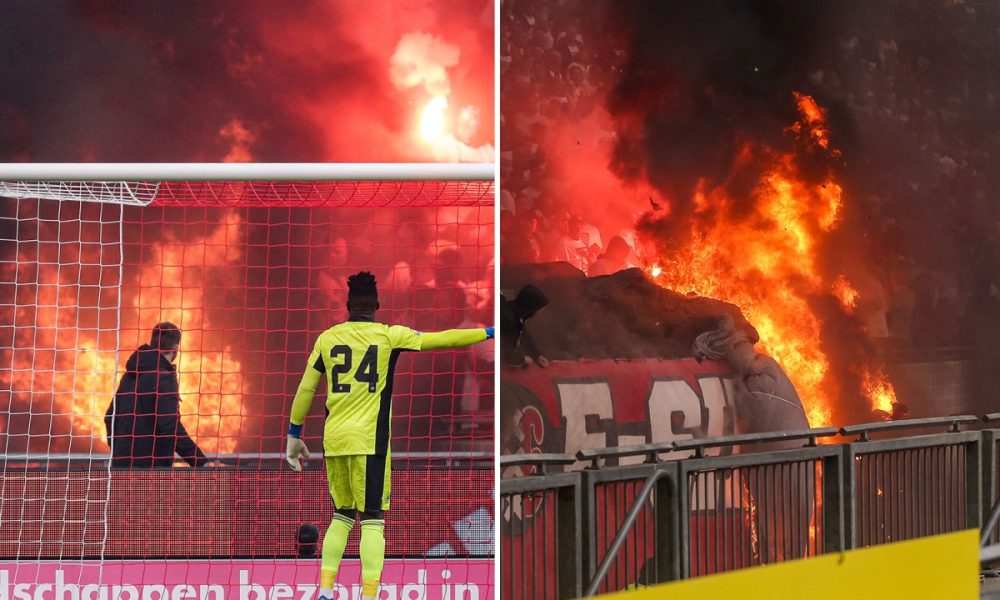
[[489, 333], [295, 447]]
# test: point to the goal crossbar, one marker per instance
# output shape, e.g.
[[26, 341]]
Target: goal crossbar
[[23, 172]]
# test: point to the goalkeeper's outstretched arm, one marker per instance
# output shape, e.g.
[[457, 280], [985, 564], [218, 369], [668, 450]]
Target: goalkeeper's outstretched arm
[[295, 447], [454, 338]]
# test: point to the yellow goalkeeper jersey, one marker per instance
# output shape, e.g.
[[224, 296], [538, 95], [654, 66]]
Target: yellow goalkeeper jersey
[[358, 358]]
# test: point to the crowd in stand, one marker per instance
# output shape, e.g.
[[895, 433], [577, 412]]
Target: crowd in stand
[[557, 63], [919, 84]]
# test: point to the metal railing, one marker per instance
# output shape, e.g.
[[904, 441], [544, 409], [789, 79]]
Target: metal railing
[[783, 496], [244, 460]]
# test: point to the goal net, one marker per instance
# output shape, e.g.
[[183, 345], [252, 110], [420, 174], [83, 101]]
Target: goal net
[[251, 272]]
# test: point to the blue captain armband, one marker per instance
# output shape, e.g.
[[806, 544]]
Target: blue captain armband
[[294, 430], [489, 333]]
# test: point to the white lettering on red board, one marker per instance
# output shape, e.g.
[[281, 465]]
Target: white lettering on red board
[[676, 412]]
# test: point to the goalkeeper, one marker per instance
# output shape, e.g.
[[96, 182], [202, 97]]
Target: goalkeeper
[[358, 358]]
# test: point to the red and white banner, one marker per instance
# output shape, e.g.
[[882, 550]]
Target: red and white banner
[[573, 405]]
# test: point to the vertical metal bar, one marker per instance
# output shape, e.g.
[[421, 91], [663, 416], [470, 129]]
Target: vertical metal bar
[[973, 484], [868, 499], [771, 514], [882, 501], [916, 490], [920, 474], [795, 480], [865, 507], [524, 548], [898, 510], [738, 478], [947, 488], [987, 472], [504, 537], [908, 494], [611, 515], [570, 534], [918, 498], [696, 529], [721, 542], [588, 528], [547, 550], [706, 515], [538, 522], [733, 516], [938, 490], [667, 531], [926, 472], [758, 510], [784, 510], [634, 571], [703, 554], [640, 535], [684, 521]]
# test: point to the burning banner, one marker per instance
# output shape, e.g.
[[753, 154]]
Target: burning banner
[[724, 177]]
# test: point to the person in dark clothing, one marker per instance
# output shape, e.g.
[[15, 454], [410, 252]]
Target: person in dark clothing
[[517, 348], [143, 420]]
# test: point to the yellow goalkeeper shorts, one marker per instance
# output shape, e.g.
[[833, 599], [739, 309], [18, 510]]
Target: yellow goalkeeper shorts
[[360, 482]]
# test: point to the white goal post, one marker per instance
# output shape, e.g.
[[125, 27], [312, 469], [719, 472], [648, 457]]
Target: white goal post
[[137, 184]]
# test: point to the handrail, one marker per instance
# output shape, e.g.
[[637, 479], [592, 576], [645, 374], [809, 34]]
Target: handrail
[[651, 450], [699, 445], [537, 460], [37, 456], [864, 429]]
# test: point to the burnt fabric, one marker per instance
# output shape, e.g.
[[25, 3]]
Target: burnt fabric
[[143, 420], [621, 316], [766, 399]]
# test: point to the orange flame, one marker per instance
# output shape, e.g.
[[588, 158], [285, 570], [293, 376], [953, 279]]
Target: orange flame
[[172, 288], [66, 330], [61, 362], [880, 392], [767, 264], [846, 293], [813, 122], [750, 520]]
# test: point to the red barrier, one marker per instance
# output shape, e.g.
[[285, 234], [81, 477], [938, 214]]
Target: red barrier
[[187, 513]]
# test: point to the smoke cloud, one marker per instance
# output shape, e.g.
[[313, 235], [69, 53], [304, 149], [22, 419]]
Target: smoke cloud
[[219, 80]]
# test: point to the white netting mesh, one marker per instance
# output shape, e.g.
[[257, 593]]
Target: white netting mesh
[[137, 193]]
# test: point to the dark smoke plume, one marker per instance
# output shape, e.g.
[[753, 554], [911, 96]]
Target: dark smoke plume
[[703, 78]]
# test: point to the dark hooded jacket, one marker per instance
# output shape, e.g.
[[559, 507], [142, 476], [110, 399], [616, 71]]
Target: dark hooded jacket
[[143, 420], [515, 342]]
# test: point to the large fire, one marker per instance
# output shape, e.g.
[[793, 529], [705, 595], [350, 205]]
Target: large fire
[[173, 287], [767, 263], [66, 328]]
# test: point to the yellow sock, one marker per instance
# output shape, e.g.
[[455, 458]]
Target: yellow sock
[[334, 543], [372, 555]]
